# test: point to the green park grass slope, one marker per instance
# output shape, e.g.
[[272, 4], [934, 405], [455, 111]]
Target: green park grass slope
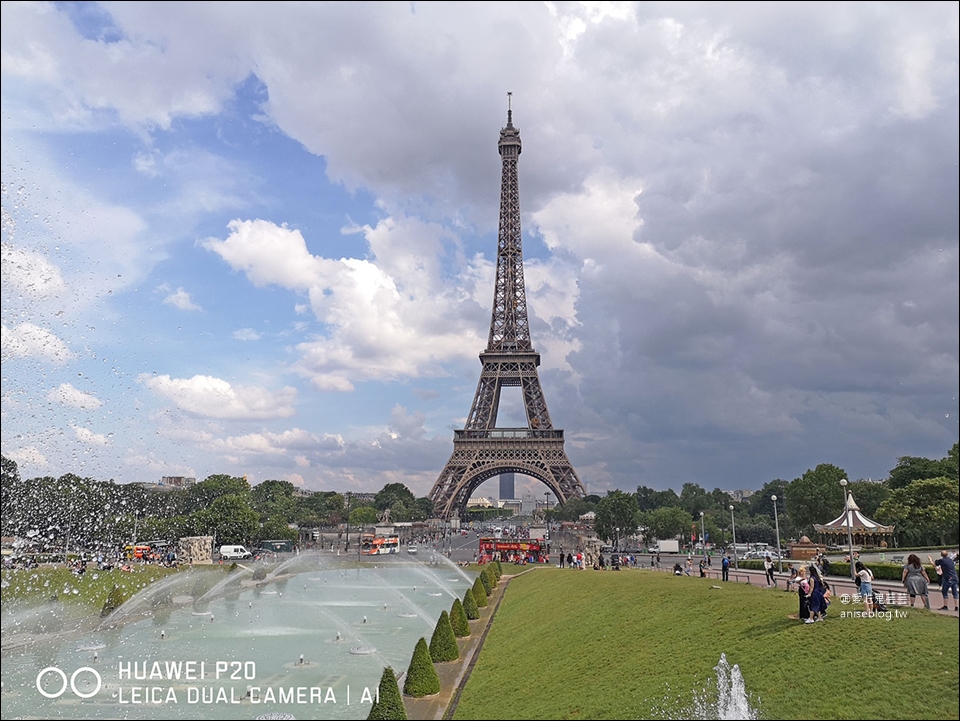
[[87, 593], [641, 644]]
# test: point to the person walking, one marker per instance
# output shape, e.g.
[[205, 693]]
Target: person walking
[[915, 578], [725, 568], [866, 585], [768, 570], [947, 570]]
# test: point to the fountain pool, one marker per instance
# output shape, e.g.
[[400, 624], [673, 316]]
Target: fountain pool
[[308, 641]]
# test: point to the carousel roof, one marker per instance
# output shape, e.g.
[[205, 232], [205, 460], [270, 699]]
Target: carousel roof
[[854, 519]]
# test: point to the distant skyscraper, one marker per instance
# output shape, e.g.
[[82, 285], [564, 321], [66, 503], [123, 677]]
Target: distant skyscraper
[[506, 486]]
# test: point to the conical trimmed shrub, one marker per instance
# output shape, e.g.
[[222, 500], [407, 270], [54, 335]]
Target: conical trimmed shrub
[[499, 569], [458, 619], [422, 678], [479, 593], [470, 605], [114, 600], [389, 704], [485, 580], [443, 644]]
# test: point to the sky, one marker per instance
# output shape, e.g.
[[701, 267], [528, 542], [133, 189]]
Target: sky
[[259, 239]]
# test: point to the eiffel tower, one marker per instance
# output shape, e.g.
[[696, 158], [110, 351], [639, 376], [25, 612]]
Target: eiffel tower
[[482, 450]]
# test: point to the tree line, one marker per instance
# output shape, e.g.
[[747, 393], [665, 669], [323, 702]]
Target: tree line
[[921, 497], [52, 513]]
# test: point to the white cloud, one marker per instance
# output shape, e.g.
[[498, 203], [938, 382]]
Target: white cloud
[[210, 397], [31, 273], [390, 316], [85, 435], [181, 299], [246, 334], [27, 457], [69, 396], [27, 340]]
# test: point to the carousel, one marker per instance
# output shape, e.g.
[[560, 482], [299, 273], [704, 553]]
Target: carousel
[[865, 533]]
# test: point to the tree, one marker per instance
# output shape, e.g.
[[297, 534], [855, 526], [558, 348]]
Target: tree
[[616, 510], [571, 510], [443, 643], [486, 581], [815, 497], [276, 529], [910, 469], [389, 704], [925, 511], [363, 516], [393, 493], [203, 494], [479, 593], [422, 678], [694, 499], [458, 619], [230, 518], [760, 530], [470, 605], [869, 495], [274, 498], [760, 503], [422, 509], [665, 522]]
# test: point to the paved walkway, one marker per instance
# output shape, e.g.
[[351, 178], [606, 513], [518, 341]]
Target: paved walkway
[[454, 674], [840, 584]]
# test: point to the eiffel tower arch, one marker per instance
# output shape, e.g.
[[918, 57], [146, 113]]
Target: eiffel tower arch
[[482, 450]]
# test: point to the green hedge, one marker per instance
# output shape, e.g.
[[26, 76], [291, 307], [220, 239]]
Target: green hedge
[[422, 678], [486, 582], [881, 571], [470, 605], [114, 600], [458, 619], [479, 593], [443, 644], [389, 704]]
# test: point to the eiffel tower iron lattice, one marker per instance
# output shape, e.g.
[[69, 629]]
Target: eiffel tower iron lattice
[[481, 450]]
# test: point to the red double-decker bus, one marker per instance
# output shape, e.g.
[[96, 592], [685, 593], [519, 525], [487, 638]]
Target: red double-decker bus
[[512, 550]]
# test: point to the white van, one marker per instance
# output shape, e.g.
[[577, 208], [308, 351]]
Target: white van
[[234, 553]]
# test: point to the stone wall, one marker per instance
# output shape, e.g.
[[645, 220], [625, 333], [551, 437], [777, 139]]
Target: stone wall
[[196, 549]]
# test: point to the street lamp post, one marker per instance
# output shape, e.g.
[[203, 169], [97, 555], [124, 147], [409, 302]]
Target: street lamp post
[[733, 524], [703, 540], [346, 547], [849, 522], [616, 539], [776, 521]]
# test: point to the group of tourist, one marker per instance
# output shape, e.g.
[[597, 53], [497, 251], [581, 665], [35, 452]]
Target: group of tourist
[[814, 591], [917, 582]]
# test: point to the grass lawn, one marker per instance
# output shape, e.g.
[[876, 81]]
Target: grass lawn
[[639, 644], [23, 588]]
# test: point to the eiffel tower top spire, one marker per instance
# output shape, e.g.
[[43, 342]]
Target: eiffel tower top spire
[[509, 326]]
